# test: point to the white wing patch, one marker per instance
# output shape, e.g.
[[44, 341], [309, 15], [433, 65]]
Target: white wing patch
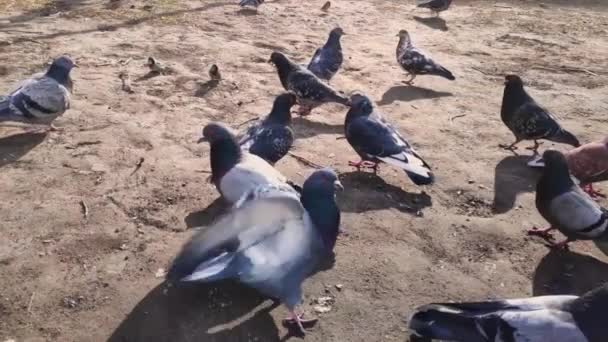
[[577, 212], [543, 325]]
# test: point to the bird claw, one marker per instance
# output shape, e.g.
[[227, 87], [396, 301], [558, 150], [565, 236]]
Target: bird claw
[[508, 147], [364, 164], [296, 321], [543, 233]]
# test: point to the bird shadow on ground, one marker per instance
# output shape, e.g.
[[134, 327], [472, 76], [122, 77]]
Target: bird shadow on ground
[[206, 87], [410, 93], [364, 191], [206, 216], [305, 128], [220, 312], [565, 272], [13, 147], [512, 176], [247, 11], [149, 75], [436, 23]]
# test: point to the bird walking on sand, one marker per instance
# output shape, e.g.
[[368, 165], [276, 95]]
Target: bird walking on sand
[[528, 120], [415, 62], [557, 318], [587, 163], [272, 240], [214, 73], [565, 206], [376, 141], [310, 91], [40, 99], [436, 6], [272, 138], [328, 59], [251, 3]]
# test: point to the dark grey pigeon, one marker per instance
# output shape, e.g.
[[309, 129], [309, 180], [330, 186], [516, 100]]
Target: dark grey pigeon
[[434, 5], [272, 138], [528, 120], [309, 89], [40, 100], [328, 59], [376, 141], [251, 3], [559, 318], [415, 62], [566, 206], [272, 240]]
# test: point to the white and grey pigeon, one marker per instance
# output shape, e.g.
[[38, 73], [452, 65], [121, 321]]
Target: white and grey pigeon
[[308, 88], [233, 171], [566, 206], [328, 59], [434, 5], [40, 99], [558, 318], [376, 141], [251, 3], [272, 240], [416, 62], [272, 138]]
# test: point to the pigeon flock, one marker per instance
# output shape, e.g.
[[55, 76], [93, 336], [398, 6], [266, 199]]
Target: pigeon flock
[[277, 233]]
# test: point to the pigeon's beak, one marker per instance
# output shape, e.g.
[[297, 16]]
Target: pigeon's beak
[[338, 185], [202, 140]]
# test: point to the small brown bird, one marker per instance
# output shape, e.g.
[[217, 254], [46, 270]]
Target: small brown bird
[[214, 73], [326, 7]]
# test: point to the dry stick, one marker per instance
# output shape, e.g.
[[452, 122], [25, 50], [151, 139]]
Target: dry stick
[[29, 306], [481, 71], [138, 165], [456, 117], [305, 161], [246, 122], [85, 209]]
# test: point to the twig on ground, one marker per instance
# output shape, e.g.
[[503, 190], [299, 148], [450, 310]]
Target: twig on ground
[[248, 121], [85, 209], [138, 165], [481, 71], [456, 117], [305, 161], [29, 306]]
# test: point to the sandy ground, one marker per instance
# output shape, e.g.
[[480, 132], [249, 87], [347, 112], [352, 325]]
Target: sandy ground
[[66, 277]]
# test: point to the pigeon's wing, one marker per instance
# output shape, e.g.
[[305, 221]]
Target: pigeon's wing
[[254, 242], [376, 139], [533, 122], [267, 191], [416, 61], [576, 213], [307, 86], [41, 98], [313, 65], [248, 137], [272, 143], [248, 174], [519, 320]]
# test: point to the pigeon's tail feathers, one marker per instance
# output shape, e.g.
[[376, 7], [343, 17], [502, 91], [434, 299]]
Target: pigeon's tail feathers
[[565, 137], [212, 270], [5, 108], [444, 323], [416, 168], [443, 72]]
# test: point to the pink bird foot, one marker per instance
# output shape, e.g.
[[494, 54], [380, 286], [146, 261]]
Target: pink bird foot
[[364, 164], [543, 233], [297, 320], [592, 192]]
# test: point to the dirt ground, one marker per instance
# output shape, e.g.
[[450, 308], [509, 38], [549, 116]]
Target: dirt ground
[[67, 277]]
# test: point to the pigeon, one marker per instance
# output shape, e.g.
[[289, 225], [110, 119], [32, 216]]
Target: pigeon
[[40, 99], [565, 206], [556, 318], [272, 138], [434, 5], [233, 171], [326, 6], [375, 140], [214, 73], [309, 89], [527, 120], [327, 60], [272, 240], [587, 163], [415, 62], [252, 3]]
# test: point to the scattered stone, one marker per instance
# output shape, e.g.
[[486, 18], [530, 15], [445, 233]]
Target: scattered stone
[[160, 273], [339, 287], [324, 304], [70, 302]]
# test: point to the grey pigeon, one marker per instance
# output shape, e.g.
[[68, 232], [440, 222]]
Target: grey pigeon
[[40, 100], [415, 62], [309, 89], [251, 3], [528, 120], [375, 140], [272, 138], [558, 318], [565, 206], [434, 5], [328, 59], [233, 171], [272, 241]]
